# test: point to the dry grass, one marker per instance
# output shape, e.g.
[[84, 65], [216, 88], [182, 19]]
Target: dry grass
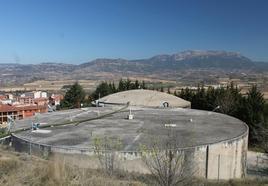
[[20, 169], [255, 182]]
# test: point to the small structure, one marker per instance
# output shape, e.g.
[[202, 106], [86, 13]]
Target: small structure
[[130, 116]]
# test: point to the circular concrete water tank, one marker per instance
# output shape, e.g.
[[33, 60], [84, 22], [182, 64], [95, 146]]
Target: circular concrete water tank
[[215, 143]]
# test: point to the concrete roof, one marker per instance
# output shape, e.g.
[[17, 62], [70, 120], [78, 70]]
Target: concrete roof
[[147, 98], [191, 127]]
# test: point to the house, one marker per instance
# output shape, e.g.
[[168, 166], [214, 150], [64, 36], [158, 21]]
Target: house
[[20, 111], [35, 94], [30, 110], [55, 99], [26, 100], [9, 110], [40, 101], [2, 97], [6, 99]]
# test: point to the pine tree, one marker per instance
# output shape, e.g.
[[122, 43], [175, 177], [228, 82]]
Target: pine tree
[[249, 108], [175, 93], [137, 84], [168, 91], [143, 86], [121, 85], [73, 97], [255, 114], [128, 84], [114, 89], [102, 90]]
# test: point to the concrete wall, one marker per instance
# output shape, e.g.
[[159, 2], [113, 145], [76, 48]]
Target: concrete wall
[[223, 160], [227, 159]]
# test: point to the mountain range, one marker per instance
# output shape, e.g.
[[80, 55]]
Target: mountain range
[[180, 61], [102, 68]]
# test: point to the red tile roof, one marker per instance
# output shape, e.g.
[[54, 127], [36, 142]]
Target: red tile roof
[[57, 97], [30, 107], [40, 99], [2, 97], [7, 108], [11, 108]]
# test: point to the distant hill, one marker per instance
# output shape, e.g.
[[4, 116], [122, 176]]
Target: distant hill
[[179, 61], [21, 73], [201, 60], [262, 66], [188, 60]]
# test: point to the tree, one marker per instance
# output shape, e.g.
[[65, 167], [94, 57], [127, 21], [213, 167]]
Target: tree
[[168, 166], [121, 86], [199, 99], [143, 86], [73, 97], [114, 89], [110, 87], [103, 89], [137, 84], [266, 113], [256, 103], [251, 111], [128, 84], [87, 101], [265, 139], [250, 108], [228, 99], [186, 94], [168, 91], [105, 149]]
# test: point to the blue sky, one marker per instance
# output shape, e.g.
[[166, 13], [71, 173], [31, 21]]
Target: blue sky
[[77, 31]]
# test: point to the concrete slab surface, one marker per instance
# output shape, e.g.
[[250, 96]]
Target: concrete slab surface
[[190, 127]]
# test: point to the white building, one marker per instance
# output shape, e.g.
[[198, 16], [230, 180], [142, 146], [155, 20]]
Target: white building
[[6, 101], [35, 94]]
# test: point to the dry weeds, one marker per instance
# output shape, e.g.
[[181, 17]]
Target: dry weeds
[[20, 169]]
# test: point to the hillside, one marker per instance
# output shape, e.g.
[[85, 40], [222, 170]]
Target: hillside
[[166, 66]]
